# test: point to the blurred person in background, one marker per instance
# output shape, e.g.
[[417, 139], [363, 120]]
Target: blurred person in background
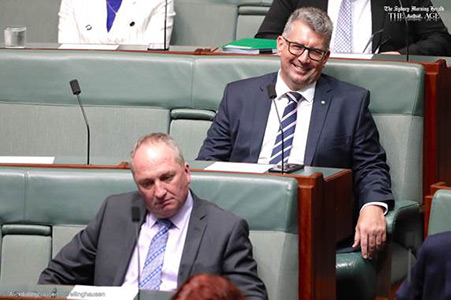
[[137, 22]]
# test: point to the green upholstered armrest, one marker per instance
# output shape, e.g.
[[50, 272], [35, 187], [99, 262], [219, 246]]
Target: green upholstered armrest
[[404, 224], [440, 211], [402, 210]]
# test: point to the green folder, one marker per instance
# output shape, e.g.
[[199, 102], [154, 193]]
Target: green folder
[[250, 45]]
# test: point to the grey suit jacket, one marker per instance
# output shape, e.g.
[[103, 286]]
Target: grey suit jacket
[[217, 242]]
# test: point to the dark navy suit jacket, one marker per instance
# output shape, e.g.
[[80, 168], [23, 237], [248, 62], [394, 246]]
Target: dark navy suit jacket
[[342, 132], [431, 275]]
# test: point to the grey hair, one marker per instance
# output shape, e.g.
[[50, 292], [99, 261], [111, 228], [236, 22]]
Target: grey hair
[[315, 18], [155, 139]]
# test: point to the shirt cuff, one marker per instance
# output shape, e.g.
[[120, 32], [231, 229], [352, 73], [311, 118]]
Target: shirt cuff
[[382, 204]]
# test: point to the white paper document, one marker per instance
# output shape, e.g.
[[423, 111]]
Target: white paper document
[[27, 159], [103, 292], [238, 167], [88, 47]]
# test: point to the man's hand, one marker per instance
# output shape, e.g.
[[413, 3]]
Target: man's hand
[[370, 232]]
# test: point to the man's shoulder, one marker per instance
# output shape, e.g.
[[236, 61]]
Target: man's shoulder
[[440, 242], [217, 213], [340, 85], [123, 199]]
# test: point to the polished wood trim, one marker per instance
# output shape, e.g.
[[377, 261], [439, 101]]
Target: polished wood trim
[[67, 166]]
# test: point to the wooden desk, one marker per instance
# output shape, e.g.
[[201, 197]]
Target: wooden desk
[[325, 216]]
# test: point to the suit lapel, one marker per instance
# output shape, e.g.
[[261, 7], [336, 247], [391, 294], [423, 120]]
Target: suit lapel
[[321, 104], [196, 229], [260, 117], [378, 20], [129, 242]]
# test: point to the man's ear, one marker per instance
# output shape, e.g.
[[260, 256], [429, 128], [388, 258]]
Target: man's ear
[[280, 44]]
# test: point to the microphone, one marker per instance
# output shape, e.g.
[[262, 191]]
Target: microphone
[[271, 89], [165, 23], [372, 38], [157, 46], [407, 30], [76, 91], [135, 219]]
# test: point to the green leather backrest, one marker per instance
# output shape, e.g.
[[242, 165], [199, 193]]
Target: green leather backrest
[[130, 94], [204, 23], [439, 220], [41, 209], [397, 91]]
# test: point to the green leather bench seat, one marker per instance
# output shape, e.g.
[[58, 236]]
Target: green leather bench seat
[[41, 210], [130, 94]]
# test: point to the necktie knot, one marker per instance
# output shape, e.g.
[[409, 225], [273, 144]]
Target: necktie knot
[[294, 96], [164, 223]]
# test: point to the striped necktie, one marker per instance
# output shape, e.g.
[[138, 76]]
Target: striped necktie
[[343, 34], [288, 126], [151, 273]]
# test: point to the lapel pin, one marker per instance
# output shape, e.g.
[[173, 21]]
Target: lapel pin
[[323, 102]]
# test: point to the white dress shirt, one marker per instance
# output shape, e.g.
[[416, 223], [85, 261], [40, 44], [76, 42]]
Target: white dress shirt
[[174, 247], [361, 23], [302, 123]]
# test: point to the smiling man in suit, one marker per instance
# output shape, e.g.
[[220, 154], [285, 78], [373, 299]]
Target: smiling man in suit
[[180, 234], [326, 123]]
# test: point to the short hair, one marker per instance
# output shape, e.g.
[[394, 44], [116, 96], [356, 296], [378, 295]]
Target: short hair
[[206, 287], [313, 17], [158, 138]]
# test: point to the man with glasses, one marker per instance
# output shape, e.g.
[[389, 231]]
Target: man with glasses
[[326, 123]]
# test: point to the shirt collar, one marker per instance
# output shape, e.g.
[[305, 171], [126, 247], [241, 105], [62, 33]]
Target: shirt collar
[[180, 218], [282, 88]]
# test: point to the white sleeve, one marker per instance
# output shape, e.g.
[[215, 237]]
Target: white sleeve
[[67, 26]]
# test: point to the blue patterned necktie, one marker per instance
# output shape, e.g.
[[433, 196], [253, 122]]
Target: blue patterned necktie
[[343, 34], [112, 7], [151, 273], [288, 126]]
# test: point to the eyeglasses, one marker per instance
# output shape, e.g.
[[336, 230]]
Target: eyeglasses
[[297, 49]]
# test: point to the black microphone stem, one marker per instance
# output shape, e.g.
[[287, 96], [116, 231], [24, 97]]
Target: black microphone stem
[[281, 133], [87, 128], [165, 23], [135, 219], [407, 30], [371, 39]]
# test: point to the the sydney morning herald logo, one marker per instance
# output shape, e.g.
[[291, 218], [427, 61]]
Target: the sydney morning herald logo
[[413, 13]]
